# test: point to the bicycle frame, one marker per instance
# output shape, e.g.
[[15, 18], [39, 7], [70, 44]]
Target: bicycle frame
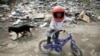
[[64, 41], [58, 47]]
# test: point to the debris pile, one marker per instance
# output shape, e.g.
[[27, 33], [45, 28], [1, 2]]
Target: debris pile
[[30, 12]]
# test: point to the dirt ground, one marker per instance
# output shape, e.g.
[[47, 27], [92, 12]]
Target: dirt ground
[[86, 35]]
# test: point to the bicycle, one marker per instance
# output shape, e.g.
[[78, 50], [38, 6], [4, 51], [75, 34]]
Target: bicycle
[[58, 47]]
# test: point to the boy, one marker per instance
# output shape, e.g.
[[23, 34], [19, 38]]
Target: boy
[[58, 14]]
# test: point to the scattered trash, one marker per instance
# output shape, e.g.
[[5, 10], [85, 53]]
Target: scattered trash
[[17, 22], [43, 25]]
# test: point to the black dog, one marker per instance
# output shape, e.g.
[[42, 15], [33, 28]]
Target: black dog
[[20, 29]]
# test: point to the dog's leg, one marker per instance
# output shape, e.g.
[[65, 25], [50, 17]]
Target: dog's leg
[[30, 33], [16, 37], [19, 38], [22, 33]]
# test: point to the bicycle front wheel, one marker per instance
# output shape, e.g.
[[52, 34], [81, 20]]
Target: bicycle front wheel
[[75, 50], [42, 47]]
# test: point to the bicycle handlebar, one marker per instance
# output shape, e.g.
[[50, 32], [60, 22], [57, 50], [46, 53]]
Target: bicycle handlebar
[[60, 31]]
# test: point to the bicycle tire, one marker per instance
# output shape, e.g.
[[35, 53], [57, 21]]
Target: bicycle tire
[[46, 51], [75, 50]]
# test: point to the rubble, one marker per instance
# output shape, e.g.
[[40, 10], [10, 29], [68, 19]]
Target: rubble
[[24, 9], [39, 15], [4, 7]]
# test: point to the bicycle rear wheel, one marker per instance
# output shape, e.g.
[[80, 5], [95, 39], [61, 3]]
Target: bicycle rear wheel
[[42, 47], [75, 50]]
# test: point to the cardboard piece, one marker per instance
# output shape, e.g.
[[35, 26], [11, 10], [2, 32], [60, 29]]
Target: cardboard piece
[[84, 17], [81, 15]]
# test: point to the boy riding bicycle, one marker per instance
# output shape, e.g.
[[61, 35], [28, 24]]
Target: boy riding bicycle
[[57, 21]]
